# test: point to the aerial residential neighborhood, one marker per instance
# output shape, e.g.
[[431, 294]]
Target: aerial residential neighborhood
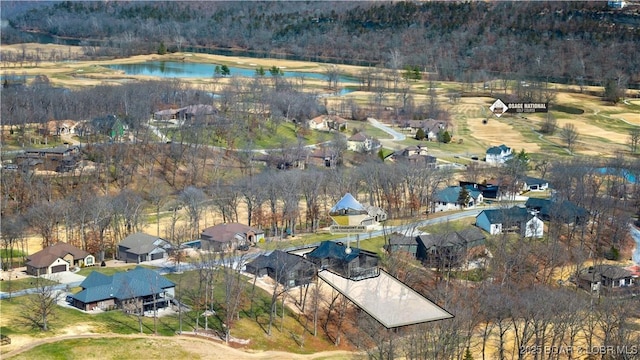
[[322, 179]]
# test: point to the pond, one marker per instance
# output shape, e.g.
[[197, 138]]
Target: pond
[[174, 69], [626, 174]]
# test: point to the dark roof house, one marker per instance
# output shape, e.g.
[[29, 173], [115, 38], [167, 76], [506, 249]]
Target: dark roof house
[[134, 291], [400, 242], [487, 191], [534, 184], [564, 211], [448, 249], [350, 262], [287, 269]]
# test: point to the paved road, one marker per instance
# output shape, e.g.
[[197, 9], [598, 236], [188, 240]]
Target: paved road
[[414, 225], [166, 266]]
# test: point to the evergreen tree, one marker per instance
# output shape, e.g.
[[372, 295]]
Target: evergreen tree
[[417, 75], [420, 135], [464, 197], [162, 49], [225, 70], [260, 71], [276, 71], [444, 137], [468, 355]]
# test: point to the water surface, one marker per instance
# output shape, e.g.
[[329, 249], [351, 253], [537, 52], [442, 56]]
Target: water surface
[[175, 69]]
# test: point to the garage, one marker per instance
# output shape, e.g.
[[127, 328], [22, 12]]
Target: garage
[[157, 256], [58, 268]]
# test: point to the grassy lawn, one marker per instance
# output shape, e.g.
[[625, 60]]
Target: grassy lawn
[[298, 241], [449, 226], [367, 128], [21, 284], [105, 270], [470, 275], [286, 335], [567, 109], [58, 321], [375, 244], [107, 348]]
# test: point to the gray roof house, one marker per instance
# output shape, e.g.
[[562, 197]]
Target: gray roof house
[[608, 279], [287, 269], [401, 242], [140, 247], [515, 219], [448, 249], [134, 291]]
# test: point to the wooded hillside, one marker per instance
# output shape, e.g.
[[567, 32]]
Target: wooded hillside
[[570, 42]]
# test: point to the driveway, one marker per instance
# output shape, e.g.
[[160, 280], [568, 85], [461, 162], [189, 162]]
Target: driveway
[[65, 277], [396, 135]]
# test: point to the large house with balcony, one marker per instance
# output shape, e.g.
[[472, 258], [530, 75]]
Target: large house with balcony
[[497, 155]]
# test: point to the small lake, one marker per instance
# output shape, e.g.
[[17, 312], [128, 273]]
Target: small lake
[[626, 174], [174, 69]]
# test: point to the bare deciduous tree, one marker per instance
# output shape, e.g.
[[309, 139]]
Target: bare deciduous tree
[[193, 198], [40, 306], [570, 135], [634, 139]]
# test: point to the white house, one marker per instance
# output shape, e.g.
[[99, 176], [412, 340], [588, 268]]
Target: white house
[[361, 142], [515, 219], [497, 155], [534, 184], [449, 199], [328, 122]]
